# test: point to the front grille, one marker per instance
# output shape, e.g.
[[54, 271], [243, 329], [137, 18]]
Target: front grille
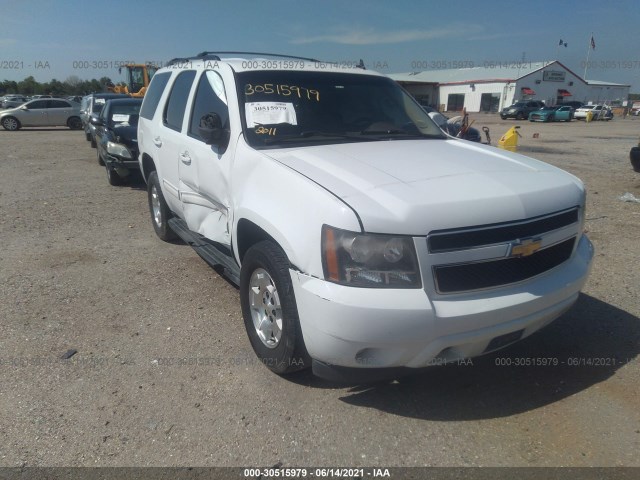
[[494, 273], [473, 237]]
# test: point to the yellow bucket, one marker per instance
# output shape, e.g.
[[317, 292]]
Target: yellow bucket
[[509, 141]]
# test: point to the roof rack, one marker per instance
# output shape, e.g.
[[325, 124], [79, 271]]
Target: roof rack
[[216, 56]]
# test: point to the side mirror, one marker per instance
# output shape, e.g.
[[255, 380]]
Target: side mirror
[[95, 121], [211, 131]]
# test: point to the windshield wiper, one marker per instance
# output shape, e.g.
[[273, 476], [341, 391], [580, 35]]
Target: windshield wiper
[[384, 133], [396, 131], [316, 133]]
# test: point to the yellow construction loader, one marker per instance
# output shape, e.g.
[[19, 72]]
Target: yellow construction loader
[[138, 77]]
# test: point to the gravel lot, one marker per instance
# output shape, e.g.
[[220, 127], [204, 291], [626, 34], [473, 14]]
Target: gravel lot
[[164, 374]]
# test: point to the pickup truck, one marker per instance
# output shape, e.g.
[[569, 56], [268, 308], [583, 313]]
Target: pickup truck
[[365, 241]]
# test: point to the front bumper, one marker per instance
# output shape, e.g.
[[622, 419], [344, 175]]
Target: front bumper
[[123, 167], [377, 328]]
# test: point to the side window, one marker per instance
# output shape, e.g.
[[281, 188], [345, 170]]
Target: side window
[[210, 98], [59, 104], [154, 92], [177, 102]]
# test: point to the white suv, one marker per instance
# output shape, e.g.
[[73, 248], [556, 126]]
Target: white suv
[[361, 236]]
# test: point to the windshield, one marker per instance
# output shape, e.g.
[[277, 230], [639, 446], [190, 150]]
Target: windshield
[[293, 108], [124, 114]]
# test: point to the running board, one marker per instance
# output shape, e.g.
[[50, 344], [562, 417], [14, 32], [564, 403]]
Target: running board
[[208, 251]]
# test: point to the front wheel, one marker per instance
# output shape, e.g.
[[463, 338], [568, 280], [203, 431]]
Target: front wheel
[[160, 212], [270, 311], [10, 123], [113, 177]]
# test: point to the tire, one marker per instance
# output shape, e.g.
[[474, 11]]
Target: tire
[[11, 123], [74, 123], [113, 178], [87, 136], [270, 311], [160, 212], [549, 119], [503, 117], [519, 116], [634, 156], [93, 142], [100, 161]]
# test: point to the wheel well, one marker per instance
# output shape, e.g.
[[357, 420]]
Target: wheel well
[[19, 124], [249, 234], [147, 165]]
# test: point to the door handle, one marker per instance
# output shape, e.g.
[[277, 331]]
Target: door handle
[[157, 142], [185, 158]]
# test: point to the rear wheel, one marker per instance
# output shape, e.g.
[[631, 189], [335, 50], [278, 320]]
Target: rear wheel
[[10, 123], [270, 311], [93, 141], [160, 212], [519, 116], [74, 123]]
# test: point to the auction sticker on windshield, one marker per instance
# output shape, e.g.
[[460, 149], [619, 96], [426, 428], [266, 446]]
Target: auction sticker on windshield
[[269, 113]]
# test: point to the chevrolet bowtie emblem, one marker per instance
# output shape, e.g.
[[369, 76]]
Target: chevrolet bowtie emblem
[[526, 247]]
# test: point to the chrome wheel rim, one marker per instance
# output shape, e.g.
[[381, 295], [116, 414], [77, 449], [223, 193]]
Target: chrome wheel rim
[[155, 206], [266, 310]]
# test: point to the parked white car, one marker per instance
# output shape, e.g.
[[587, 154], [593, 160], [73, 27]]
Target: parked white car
[[361, 236], [42, 113], [600, 112], [12, 101]]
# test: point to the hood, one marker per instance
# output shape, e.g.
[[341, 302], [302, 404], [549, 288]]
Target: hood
[[10, 111], [126, 134], [415, 186]]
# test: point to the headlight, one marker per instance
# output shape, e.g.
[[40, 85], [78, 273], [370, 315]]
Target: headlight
[[369, 260], [118, 150]]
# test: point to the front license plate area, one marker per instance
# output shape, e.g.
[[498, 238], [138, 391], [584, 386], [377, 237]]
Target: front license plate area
[[504, 340]]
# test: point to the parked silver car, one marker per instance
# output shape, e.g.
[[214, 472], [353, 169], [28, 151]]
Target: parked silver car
[[42, 113], [12, 101]]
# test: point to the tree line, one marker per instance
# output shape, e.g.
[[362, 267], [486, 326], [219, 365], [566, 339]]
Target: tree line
[[71, 86]]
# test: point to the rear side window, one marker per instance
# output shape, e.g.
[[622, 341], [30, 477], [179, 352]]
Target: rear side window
[[153, 94], [177, 102], [59, 104]]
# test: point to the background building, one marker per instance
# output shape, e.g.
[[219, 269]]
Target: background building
[[495, 86]]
